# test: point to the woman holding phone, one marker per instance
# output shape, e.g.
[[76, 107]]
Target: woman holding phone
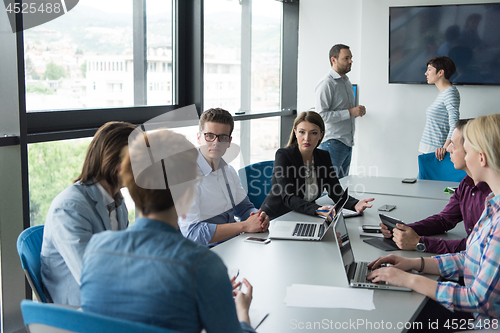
[[478, 264], [302, 172]]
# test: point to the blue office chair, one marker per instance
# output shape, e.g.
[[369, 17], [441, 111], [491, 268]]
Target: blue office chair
[[29, 246], [43, 318], [256, 180], [429, 167]]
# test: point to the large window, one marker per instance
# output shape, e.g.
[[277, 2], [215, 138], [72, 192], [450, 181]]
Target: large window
[[52, 167], [87, 58], [131, 60]]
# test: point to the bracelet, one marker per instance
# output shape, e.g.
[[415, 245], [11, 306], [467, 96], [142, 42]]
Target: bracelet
[[422, 265]]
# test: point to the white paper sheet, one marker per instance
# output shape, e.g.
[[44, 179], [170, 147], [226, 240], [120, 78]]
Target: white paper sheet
[[311, 296]]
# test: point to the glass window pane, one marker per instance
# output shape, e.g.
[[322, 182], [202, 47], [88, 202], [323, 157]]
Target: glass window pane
[[222, 52], [159, 53], [84, 59], [266, 53], [223, 57], [52, 166], [265, 139]]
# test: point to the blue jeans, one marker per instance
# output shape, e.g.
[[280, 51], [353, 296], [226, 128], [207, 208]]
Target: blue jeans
[[340, 155]]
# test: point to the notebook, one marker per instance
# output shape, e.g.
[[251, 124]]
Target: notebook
[[314, 231]]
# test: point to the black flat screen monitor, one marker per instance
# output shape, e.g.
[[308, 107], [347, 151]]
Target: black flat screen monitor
[[468, 34]]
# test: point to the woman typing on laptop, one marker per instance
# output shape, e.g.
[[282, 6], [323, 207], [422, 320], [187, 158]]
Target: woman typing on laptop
[[478, 264], [302, 172]]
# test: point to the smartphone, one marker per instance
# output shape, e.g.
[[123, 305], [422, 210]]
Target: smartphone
[[372, 229], [409, 180], [258, 240], [386, 208], [389, 221]]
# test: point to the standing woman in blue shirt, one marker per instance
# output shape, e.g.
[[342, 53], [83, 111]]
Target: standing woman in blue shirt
[[478, 264], [149, 272], [444, 112]]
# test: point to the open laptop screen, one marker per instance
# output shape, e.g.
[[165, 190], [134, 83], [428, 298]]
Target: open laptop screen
[[338, 207], [345, 250]]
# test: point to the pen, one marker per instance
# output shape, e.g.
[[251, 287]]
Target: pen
[[267, 314], [322, 211]]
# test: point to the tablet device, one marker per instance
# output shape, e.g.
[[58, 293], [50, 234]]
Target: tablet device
[[385, 244], [389, 221]]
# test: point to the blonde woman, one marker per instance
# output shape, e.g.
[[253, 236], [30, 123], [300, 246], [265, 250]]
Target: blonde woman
[[479, 263]]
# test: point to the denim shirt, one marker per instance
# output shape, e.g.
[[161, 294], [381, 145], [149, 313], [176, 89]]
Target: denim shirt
[[151, 274]]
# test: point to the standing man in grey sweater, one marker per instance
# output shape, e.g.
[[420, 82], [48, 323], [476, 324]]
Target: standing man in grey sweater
[[336, 104]]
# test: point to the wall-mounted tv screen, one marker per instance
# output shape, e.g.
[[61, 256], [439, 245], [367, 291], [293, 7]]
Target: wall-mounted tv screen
[[468, 34]]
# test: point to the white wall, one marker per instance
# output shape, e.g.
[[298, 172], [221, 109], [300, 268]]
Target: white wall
[[387, 137], [322, 24]]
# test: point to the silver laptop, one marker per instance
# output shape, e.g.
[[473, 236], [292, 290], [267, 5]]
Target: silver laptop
[[308, 230], [356, 271]]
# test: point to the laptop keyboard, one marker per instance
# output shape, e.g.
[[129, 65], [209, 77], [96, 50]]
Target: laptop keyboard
[[361, 271], [304, 229]]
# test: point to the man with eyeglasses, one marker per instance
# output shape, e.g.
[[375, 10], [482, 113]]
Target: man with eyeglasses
[[219, 196]]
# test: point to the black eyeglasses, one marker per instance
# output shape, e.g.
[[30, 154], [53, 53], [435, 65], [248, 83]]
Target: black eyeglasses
[[210, 137]]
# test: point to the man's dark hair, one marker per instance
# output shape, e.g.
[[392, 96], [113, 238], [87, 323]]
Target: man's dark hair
[[335, 51], [443, 63], [459, 125], [217, 115]]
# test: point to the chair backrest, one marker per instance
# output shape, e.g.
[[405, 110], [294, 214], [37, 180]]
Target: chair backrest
[[40, 318], [29, 246], [429, 167], [256, 180]]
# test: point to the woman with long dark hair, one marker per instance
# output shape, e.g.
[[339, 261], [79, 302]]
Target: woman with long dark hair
[[302, 172]]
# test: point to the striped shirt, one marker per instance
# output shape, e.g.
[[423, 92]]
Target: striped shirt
[[479, 265], [441, 118]]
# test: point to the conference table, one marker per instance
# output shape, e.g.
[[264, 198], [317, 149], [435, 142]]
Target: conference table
[[422, 188], [273, 267]]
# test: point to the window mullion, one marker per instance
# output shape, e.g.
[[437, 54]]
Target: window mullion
[[140, 53], [246, 76]]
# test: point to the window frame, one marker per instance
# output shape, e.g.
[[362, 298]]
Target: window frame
[[57, 125]]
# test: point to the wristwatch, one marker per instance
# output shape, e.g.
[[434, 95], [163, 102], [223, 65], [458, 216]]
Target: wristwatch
[[420, 246]]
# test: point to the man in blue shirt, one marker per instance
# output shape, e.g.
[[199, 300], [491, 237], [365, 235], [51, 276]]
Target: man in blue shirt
[[336, 105], [219, 195]]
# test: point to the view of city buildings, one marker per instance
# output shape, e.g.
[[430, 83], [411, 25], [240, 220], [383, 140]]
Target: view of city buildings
[[84, 60]]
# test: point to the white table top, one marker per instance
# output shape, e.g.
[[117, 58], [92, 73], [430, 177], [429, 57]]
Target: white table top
[[394, 186], [273, 267]]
